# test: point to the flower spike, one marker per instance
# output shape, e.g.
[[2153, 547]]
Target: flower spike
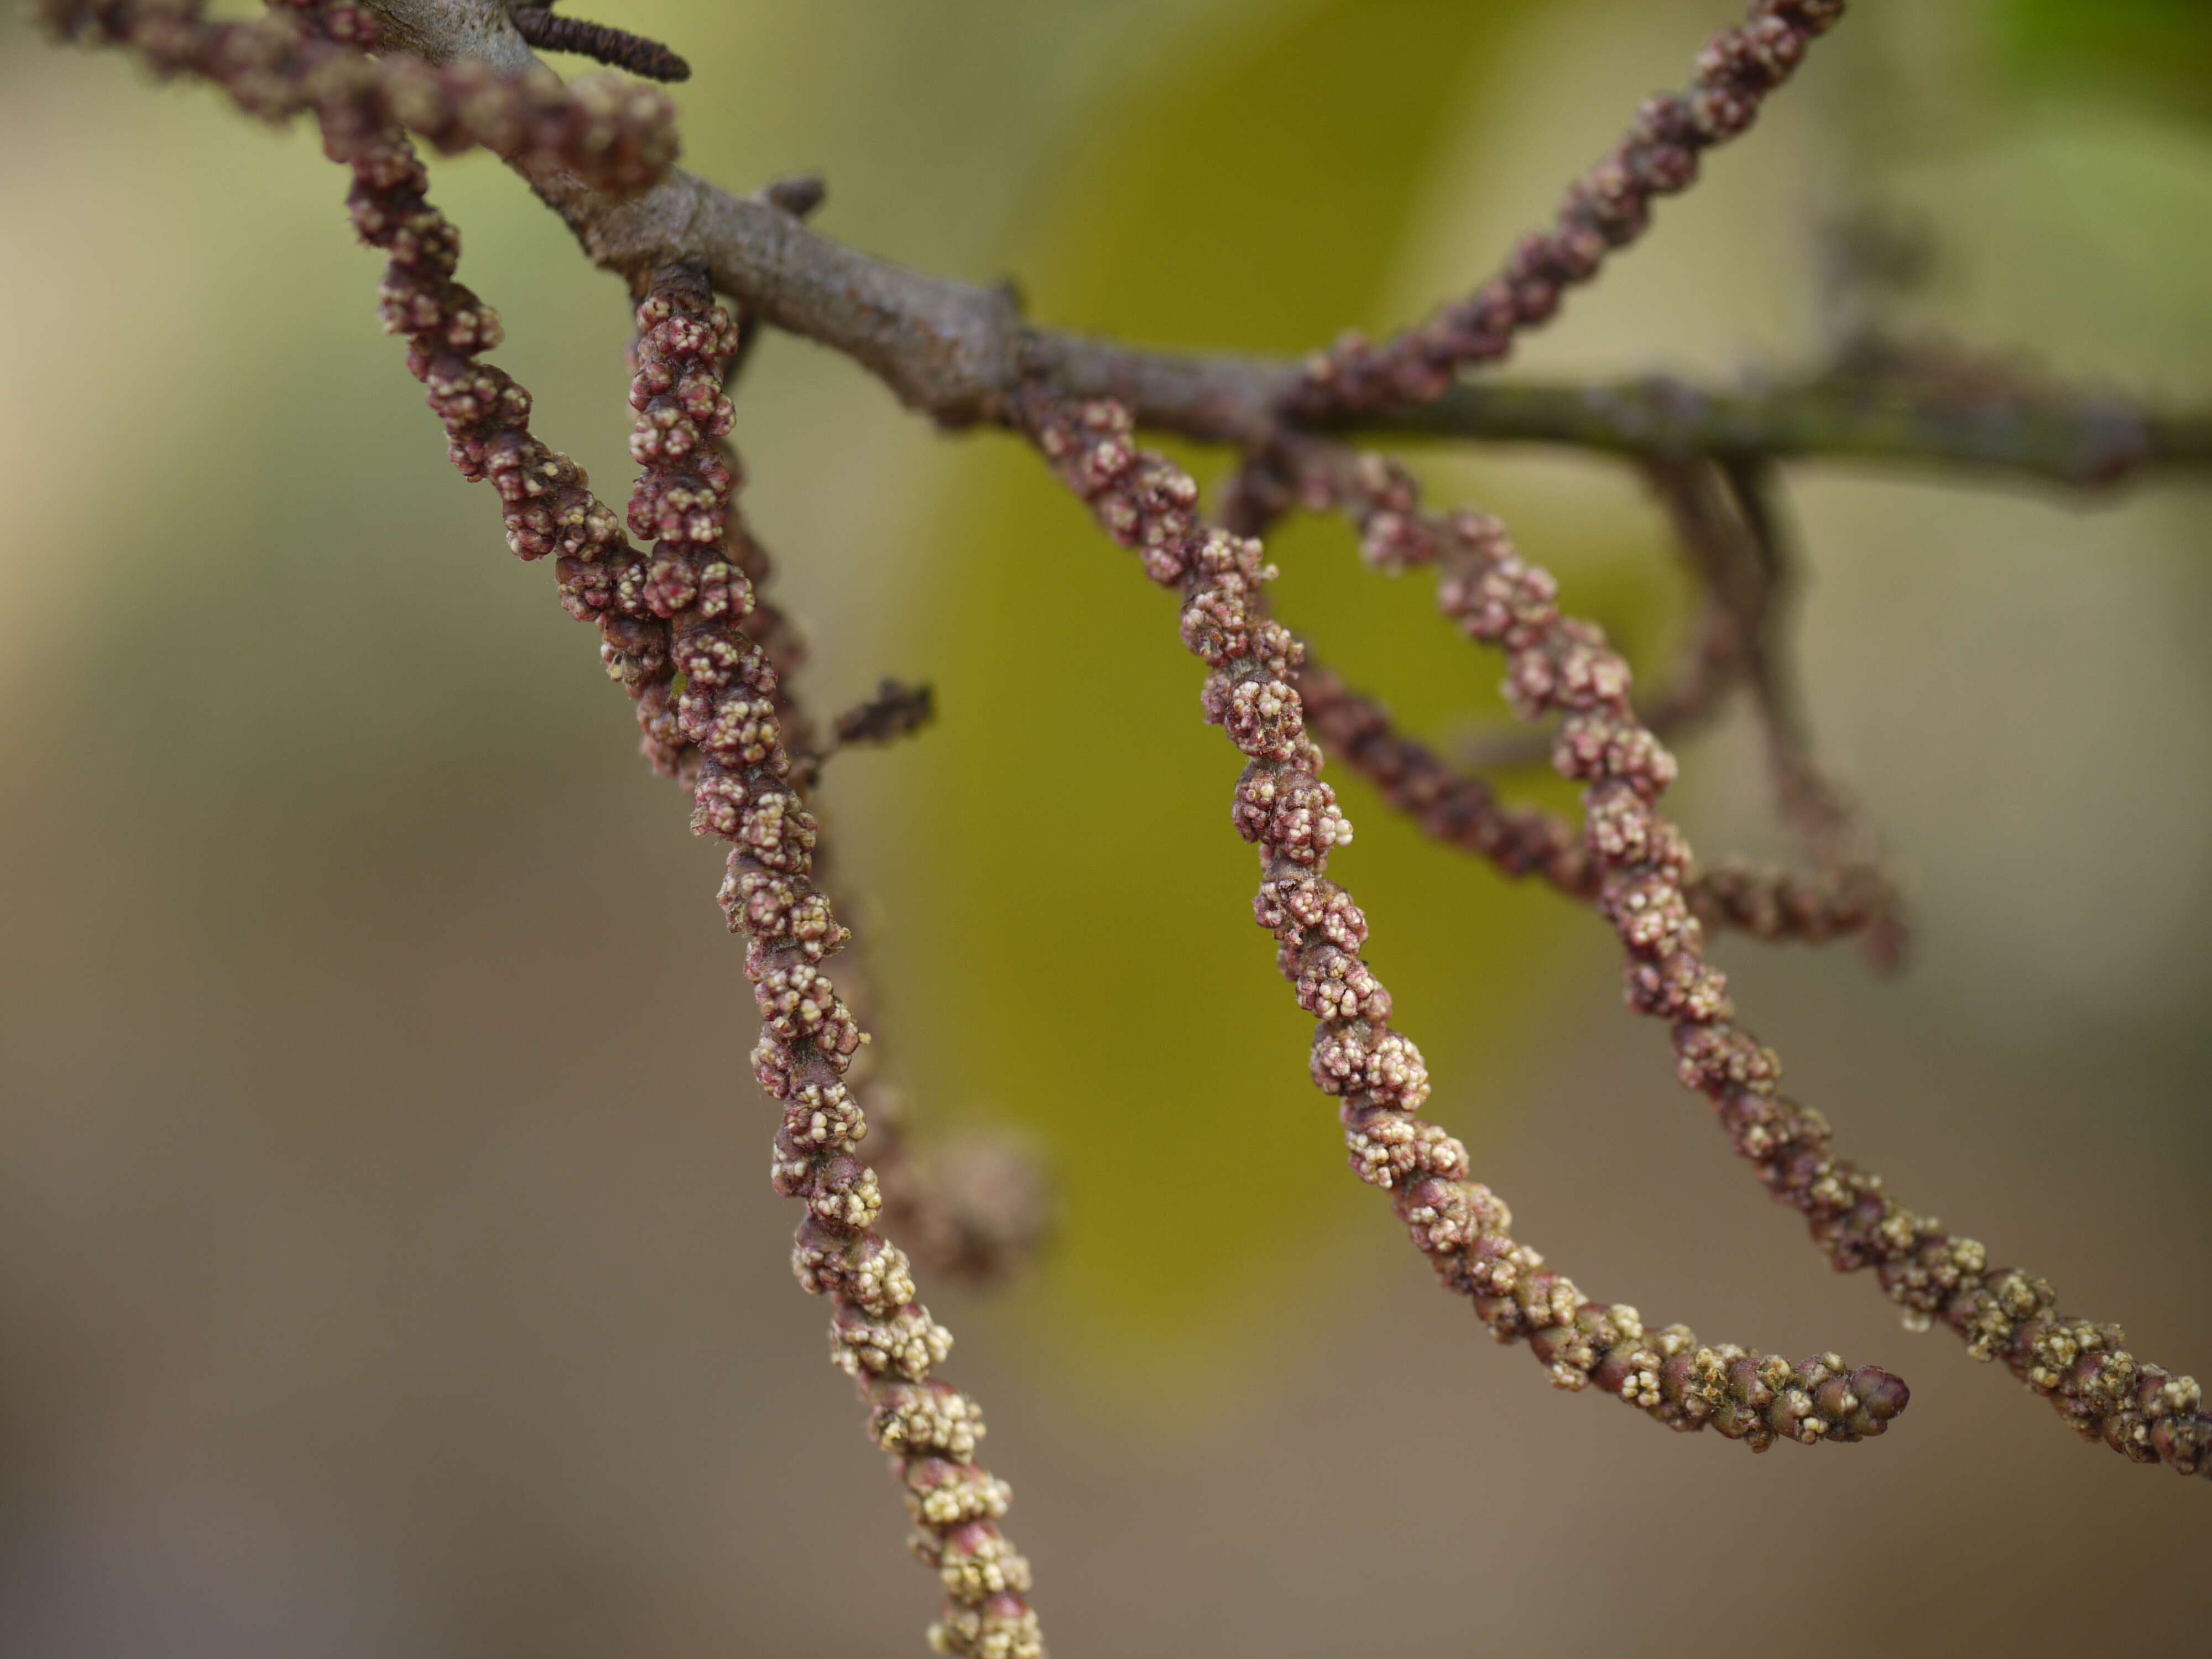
[[1608, 207], [1148, 504], [1561, 664]]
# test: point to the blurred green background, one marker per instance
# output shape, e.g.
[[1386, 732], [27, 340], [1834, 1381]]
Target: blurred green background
[[386, 1261]]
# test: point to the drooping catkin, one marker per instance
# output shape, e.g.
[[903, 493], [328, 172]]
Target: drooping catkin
[[613, 133], [673, 631], [1606, 208], [1282, 805], [747, 794], [1559, 665]]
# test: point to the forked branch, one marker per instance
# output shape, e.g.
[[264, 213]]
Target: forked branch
[[961, 353], [685, 628]]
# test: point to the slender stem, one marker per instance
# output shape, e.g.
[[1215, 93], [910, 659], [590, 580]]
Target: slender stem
[[2051, 435]]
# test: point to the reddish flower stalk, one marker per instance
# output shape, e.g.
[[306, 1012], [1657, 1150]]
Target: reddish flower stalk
[[684, 606], [776, 632], [1562, 665], [1736, 603], [1148, 504], [1606, 209], [1851, 895], [745, 793], [616, 134], [1460, 809], [975, 1209], [978, 1208]]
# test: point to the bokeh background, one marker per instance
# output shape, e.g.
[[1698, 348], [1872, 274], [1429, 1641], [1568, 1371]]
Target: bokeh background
[[386, 1262]]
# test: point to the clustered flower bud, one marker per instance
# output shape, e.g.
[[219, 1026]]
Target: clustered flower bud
[[1608, 207], [615, 134], [1383, 500], [724, 701], [546, 498], [1281, 803], [674, 626], [1642, 869]]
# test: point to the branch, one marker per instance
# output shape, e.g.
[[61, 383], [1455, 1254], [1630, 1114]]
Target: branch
[[2050, 433], [961, 353], [1741, 505]]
